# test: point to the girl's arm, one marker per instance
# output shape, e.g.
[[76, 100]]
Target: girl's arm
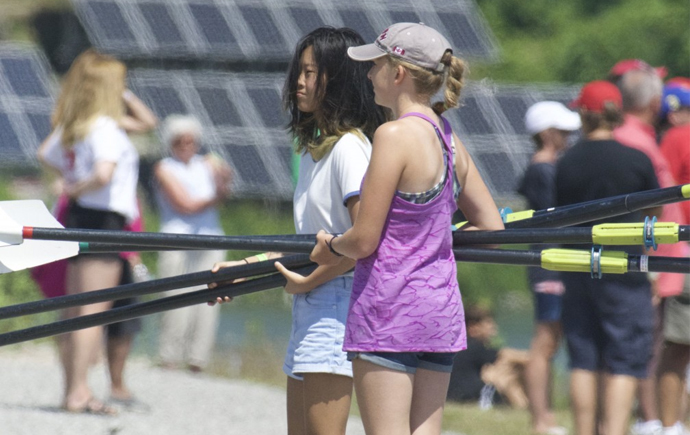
[[101, 176], [475, 200], [324, 273], [388, 161], [139, 118], [177, 196]]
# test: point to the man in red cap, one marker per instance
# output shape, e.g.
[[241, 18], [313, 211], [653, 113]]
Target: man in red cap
[[607, 322], [642, 94], [626, 65]]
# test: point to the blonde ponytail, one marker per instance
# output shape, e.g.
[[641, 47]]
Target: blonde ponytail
[[454, 83]]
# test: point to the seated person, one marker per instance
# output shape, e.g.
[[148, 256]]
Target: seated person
[[481, 370]]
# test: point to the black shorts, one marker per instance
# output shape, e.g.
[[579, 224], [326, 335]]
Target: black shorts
[[131, 326], [607, 324], [79, 217]]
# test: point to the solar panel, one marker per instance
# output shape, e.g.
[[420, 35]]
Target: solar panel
[[219, 107], [23, 77], [263, 30], [109, 19], [26, 103], [264, 27], [211, 22], [163, 27], [358, 19], [307, 19], [269, 104]]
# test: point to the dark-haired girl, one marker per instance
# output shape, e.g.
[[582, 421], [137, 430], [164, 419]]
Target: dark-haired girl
[[333, 117]]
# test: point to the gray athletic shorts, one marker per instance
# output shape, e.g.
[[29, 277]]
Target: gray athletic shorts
[[677, 316]]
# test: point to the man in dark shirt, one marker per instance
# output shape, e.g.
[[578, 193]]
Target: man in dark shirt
[[607, 322]]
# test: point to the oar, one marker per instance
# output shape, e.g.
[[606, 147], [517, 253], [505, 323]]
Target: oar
[[595, 261], [16, 255], [152, 286], [145, 308], [598, 209], [649, 233]]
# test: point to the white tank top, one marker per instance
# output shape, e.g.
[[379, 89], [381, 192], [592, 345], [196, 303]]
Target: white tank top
[[197, 181]]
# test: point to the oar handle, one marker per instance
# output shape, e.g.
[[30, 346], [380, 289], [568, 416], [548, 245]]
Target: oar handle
[[573, 260], [153, 286], [145, 308], [604, 234]]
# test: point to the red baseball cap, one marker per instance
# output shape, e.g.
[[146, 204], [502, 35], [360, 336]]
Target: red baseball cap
[[683, 82], [594, 94], [626, 65]]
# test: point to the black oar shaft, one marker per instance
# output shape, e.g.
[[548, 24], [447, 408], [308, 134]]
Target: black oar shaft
[[142, 309], [188, 241], [149, 287], [498, 256], [600, 209], [659, 264], [514, 236]]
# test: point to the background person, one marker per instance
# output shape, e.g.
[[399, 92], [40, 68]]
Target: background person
[[405, 321], [484, 374], [332, 118], [188, 187], [641, 89], [91, 151], [675, 354], [550, 124], [607, 322]]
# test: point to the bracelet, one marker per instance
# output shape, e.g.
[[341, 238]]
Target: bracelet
[[262, 257], [245, 260], [329, 243]]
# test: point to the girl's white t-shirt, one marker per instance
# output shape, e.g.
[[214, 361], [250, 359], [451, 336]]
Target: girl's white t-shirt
[[324, 187], [106, 142]]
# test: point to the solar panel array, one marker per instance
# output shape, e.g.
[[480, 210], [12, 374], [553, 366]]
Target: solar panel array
[[264, 30], [26, 102], [243, 121], [241, 111]]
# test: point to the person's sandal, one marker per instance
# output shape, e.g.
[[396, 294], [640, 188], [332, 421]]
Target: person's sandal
[[94, 407]]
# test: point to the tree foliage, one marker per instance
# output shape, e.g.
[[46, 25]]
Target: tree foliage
[[578, 41]]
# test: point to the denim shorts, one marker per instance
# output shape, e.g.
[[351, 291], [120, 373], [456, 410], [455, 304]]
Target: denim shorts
[[318, 329], [408, 362]]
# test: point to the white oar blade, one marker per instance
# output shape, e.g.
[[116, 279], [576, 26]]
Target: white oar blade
[[30, 253], [10, 230]]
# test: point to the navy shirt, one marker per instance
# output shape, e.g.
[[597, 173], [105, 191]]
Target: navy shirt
[[599, 169]]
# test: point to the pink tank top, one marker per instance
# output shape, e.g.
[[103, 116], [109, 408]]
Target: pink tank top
[[405, 296]]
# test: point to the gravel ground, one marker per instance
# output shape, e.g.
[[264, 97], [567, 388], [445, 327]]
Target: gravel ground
[[181, 403]]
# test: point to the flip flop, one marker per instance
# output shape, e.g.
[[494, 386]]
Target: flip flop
[[94, 407]]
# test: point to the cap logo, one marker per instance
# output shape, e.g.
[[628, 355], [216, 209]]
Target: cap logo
[[673, 102], [399, 51], [383, 35]]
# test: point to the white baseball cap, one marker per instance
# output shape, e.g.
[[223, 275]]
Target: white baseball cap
[[550, 114]]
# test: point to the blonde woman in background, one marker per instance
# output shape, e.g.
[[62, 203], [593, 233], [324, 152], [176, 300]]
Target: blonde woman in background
[[189, 186], [90, 150]]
